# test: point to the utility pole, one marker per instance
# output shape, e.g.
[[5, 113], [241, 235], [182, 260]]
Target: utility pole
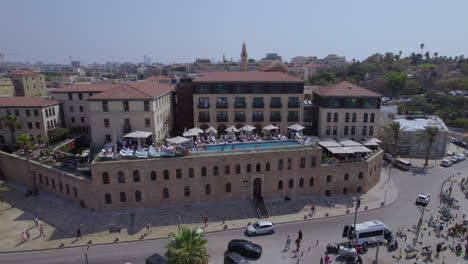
[[86, 254]]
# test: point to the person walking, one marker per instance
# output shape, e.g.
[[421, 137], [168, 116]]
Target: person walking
[[36, 221], [288, 243], [205, 219], [299, 234], [41, 230], [23, 237], [321, 260], [27, 234], [327, 259], [78, 234], [148, 228]]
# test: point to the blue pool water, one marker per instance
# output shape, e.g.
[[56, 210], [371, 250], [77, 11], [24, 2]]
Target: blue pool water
[[262, 144]]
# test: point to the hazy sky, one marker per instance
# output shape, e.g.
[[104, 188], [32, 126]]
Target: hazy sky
[[180, 31]]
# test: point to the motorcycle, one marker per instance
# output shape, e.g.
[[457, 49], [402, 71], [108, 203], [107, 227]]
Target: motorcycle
[[360, 249], [393, 246]]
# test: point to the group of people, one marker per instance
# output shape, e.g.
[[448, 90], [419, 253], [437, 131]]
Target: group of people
[[26, 235]]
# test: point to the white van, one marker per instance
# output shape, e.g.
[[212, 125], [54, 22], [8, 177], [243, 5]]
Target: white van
[[402, 164], [366, 231]]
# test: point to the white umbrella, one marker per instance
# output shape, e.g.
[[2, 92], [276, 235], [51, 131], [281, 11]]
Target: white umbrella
[[232, 129], [296, 127], [177, 140], [247, 128], [197, 130], [270, 127], [211, 130], [190, 133]]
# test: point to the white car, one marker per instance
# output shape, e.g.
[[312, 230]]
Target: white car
[[446, 163], [460, 157], [261, 227], [423, 198]]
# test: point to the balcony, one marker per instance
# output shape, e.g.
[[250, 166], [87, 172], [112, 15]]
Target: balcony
[[240, 105], [239, 119], [276, 105], [126, 128], [203, 119], [257, 118], [221, 119], [293, 105], [204, 105], [275, 118], [221, 105], [293, 118], [258, 105]]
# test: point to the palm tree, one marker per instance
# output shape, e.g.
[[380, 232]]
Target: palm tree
[[2, 189], [186, 247], [394, 130], [12, 123], [429, 135], [24, 142], [422, 47]]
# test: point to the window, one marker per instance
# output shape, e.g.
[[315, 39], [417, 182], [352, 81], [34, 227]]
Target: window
[[258, 167], [30, 126], [191, 173], [328, 117], [70, 96], [107, 196], [280, 185], [329, 178], [120, 177], [36, 113], [313, 162], [291, 183], [228, 187], [105, 178], [106, 123], [153, 176], [126, 106], [354, 118], [215, 171], [166, 174], [28, 112], [204, 116], [17, 113], [108, 138], [302, 164], [371, 131], [136, 176], [105, 106], [67, 188], [165, 193], [364, 130], [280, 164], [359, 189], [146, 106], [275, 102], [203, 171], [293, 116], [267, 166], [73, 120], [53, 183], [346, 177], [361, 175], [238, 169], [221, 116], [207, 189], [123, 197], [353, 130], [75, 192], [178, 174], [227, 170], [346, 117], [249, 168], [147, 122], [239, 102], [81, 108], [372, 117], [257, 116], [335, 117], [311, 181], [221, 102], [138, 196], [328, 130], [239, 116], [82, 119], [203, 102], [289, 164], [335, 130], [366, 116], [80, 96], [346, 130], [293, 102], [301, 182], [60, 186], [47, 181], [258, 102], [187, 191]]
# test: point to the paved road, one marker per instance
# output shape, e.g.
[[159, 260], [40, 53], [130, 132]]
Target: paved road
[[402, 212]]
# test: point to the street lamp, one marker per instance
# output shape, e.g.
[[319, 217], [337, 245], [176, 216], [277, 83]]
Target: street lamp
[[420, 222], [384, 241], [358, 204]]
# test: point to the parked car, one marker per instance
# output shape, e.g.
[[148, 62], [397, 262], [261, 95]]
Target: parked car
[[454, 159], [423, 198], [446, 163], [234, 258], [388, 158], [156, 259], [261, 227], [245, 248], [465, 152], [460, 157]]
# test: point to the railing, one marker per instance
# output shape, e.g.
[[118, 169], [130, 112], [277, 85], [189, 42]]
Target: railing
[[258, 105], [204, 105], [257, 118], [276, 105], [221, 105], [240, 105], [293, 105]]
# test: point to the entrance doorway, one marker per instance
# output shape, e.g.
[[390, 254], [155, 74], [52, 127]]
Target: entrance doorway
[[257, 188]]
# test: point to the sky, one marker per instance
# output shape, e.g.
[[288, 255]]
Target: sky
[[180, 31]]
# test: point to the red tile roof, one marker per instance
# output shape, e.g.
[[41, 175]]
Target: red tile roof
[[86, 88], [158, 78], [135, 90], [29, 73], [248, 76], [25, 101], [346, 89]]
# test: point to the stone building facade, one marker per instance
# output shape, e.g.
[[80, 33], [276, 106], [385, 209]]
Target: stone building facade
[[6, 87], [29, 83]]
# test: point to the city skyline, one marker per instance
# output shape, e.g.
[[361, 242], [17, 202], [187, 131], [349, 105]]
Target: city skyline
[[181, 31]]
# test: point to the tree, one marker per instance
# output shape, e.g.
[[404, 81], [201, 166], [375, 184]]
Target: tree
[[323, 78], [2, 189], [59, 134], [394, 130], [395, 81], [429, 135], [186, 247], [422, 47], [427, 55], [24, 142], [411, 87], [12, 122]]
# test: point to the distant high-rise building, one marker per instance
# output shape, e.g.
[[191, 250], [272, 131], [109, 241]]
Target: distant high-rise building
[[146, 60], [244, 58], [75, 64]]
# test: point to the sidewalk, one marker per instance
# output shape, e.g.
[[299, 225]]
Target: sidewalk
[[62, 218]]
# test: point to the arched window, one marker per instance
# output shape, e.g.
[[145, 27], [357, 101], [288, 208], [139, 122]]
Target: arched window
[[179, 174], [166, 174], [345, 190], [291, 183], [311, 181], [359, 189], [121, 177], [136, 176], [228, 187], [105, 178], [329, 178], [123, 197], [328, 193], [280, 185], [215, 171], [227, 170], [301, 182], [191, 172], [153, 176], [346, 177], [258, 167], [187, 191], [165, 193], [238, 169], [138, 196], [207, 189], [108, 198], [203, 171], [267, 166], [249, 168]]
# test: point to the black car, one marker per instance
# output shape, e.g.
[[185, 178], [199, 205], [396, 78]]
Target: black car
[[245, 248], [234, 258]]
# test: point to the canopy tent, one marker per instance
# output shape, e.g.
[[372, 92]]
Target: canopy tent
[[328, 142], [138, 134], [296, 127], [196, 130], [177, 140], [349, 143], [360, 149], [231, 129], [190, 134], [370, 142], [247, 128], [341, 150], [270, 127], [211, 130]]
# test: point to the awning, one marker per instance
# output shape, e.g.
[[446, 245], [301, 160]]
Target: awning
[[177, 140], [270, 127], [211, 130], [296, 127], [190, 134], [138, 134], [231, 129], [197, 130], [360, 149], [329, 143], [341, 150], [247, 128], [371, 141], [349, 143]]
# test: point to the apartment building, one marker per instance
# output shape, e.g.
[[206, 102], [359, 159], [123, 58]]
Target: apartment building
[[223, 99], [37, 116], [137, 106], [6, 87], [28, 83], [346, 110]]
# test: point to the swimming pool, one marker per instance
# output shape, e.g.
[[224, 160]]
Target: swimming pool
[[259, 144]]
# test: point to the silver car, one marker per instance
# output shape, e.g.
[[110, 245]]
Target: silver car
[[460, 157], [261, 227]]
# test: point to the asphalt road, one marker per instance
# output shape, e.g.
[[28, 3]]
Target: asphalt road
[[402, 212]]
